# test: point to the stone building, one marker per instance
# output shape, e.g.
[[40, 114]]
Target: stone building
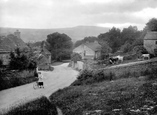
[[150, 42], [89, 50]]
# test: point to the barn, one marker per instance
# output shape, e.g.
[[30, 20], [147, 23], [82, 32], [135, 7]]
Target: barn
[[89, 50], [150, 42]]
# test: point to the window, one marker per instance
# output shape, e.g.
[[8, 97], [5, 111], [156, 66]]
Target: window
[[155, 42]]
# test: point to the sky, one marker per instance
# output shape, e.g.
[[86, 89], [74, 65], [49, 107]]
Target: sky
[[69, 13]]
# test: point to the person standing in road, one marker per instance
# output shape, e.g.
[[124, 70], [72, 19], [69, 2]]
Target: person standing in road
[[40, 80]]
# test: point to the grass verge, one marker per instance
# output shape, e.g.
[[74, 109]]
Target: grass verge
[[127, 96], [90, 76], [41, 106]]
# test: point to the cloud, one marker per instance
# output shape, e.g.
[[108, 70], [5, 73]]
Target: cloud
[[121, 26], [66, 13]]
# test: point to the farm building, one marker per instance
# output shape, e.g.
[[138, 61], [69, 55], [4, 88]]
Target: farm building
[[89, 50], [43, 57], [150, 42]]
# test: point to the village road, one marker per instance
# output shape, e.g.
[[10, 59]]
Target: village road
[[132, 63], [61, 77]]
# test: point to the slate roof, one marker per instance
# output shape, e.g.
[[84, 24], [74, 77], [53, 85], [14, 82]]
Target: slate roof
[[95, 46], [151, 36]]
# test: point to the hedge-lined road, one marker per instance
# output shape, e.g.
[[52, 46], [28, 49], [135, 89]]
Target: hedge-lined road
[[61, 77]]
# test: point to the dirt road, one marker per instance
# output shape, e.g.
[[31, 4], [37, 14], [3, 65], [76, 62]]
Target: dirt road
[[132, 63], [61, 77]]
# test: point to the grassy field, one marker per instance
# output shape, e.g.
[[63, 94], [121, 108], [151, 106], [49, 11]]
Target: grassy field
[[40, 106], [121, 91], [127, 95]]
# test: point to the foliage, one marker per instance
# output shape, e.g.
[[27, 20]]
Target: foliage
[[60, 45], [20, 61], [152, 24], [127, 47], [112, 37], [87, 77], [10, 79], [86, 39], [76, 57], [39, 106]]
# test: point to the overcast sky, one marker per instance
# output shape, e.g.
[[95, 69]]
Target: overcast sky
[[69, 13]]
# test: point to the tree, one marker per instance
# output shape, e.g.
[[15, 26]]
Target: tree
[[152, 24], [86, 39], [20, 61], [127, 47], [75, 57], [60, 45], [105, 49], [112, 38]]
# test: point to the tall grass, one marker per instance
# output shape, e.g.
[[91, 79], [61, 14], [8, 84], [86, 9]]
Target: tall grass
[[126, 94], [87, 77], [40, 106]]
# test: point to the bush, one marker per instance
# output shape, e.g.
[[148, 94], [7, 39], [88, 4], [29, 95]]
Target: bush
[[87, 77], [10, 79], [20, 61], [41, 106]]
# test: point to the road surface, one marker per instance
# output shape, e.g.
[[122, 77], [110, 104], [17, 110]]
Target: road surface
[[61, 77], [132, 63]]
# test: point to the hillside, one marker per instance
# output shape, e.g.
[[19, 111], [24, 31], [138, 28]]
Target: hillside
[[76, 33]]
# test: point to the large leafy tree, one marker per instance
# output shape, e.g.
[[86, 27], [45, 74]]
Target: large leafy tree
[[112, 38], [105, 49], [152, 24], [60, 45]]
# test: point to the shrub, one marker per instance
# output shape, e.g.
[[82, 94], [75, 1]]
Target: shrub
[[10, 79], [87, 77]]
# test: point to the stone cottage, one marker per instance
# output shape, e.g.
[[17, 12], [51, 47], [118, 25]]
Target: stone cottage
[[150, 42], [89, 50]]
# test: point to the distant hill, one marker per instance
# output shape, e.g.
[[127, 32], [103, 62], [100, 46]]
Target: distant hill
[[76, 33]]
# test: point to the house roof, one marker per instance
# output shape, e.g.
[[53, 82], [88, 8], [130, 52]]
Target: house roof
[[151, 36], [95, 46], [46, 51]]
